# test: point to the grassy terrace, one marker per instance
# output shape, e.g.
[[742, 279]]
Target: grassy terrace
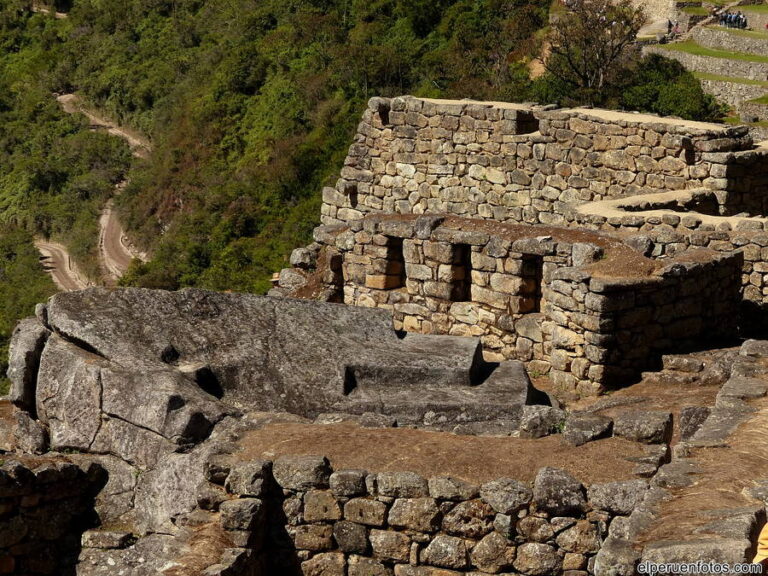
[[759, 8], [744, 33], [732, 79], [692, 48]]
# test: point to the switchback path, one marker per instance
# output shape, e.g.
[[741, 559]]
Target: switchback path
[[57, 262], [115, 251]]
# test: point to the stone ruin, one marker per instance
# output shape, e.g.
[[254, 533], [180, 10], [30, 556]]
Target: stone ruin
[[468, 249], [582, 242]]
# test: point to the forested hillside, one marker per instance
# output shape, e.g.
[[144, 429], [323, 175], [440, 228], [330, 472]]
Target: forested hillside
[[250, 104]]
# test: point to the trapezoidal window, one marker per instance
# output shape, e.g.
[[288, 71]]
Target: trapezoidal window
[[462, 273], [395, 266], [530, 291]]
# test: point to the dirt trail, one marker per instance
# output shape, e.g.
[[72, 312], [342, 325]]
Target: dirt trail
[[58, 263], [115, 251], [42, 10]]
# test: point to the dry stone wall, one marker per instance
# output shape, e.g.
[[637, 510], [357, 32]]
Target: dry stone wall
[[45, 506], [509, 162], [531, 293], [672, 233], [350, 522]]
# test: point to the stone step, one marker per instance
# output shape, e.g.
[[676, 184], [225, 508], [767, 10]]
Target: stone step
[[731, 40]]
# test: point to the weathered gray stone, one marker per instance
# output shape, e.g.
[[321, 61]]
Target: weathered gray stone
[[401, 485], [321, 506], [447, 488], [691, 419], [106, 539], [506, 496], [535, 529], [537, 559], [616, 558], [364, 511], [558, 493], [582, 428], [27, 343], [314, 537], [348, 483], [648, 426], [351, 538], [618, 497], [538, 421], [29, 436], [326, 564], [471, 519], [583, 538], [391, 546], [493, 554], [420, 514], [249, 478], [241, 514], [361, 566], [301, 472], [447, 552]]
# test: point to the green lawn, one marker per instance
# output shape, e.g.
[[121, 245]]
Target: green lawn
[[692, 48], [761, 8]]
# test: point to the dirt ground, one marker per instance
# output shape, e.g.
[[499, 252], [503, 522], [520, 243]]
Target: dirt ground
[[472, 458]]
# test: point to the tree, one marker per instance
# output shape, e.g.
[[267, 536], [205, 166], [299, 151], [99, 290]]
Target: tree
[[588, 41]]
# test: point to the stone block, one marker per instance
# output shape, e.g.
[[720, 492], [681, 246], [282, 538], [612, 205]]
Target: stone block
[[361, 566], [402, 485], [582, 428], [649, 427], [470, 519], [447, 552], [301, 473], [348, 483], [536, 559], [241, 514], [365, 511], [493, 554], [249, 478], [420, 514], [315, 537], [506, 495], [558, 493], [539, 421], [390, 546], [447, 488], [350, 537], [535, 529], [619, 498], [582, 538], [327, 564], [320, 506]]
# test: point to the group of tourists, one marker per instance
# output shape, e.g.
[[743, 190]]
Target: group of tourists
[[732, 19]]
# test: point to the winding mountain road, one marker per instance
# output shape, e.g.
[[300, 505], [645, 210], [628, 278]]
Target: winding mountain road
[[115, 251], [57, 262]]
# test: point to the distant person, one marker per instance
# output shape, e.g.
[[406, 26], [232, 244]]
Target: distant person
[[669, 26]]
